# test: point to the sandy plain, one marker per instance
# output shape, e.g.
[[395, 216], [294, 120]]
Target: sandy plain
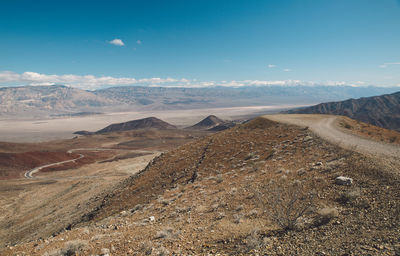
[[63, 128]]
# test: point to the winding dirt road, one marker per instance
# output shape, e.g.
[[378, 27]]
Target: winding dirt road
[[326, 126], [28, 174]]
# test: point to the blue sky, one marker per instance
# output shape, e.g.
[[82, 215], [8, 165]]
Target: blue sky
[[200, 43]]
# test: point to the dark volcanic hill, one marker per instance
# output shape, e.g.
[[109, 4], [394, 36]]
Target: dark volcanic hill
[[222, 127], [383, 111], [145, 123], [209, 122]]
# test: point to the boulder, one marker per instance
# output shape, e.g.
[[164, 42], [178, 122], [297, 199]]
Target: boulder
[[342, 180]]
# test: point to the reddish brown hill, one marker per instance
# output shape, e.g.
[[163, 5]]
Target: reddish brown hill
[[145, 123], [12, 165]]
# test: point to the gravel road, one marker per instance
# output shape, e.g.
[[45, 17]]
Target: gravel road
[[28, 174], [326, 127]]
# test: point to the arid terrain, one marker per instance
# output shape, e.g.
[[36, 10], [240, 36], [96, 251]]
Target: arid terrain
[[263, 187], [65, 176], [41, 130]]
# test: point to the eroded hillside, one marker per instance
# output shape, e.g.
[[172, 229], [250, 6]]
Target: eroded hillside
[[258, 188]]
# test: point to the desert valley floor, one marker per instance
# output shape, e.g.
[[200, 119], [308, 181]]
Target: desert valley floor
[[267, 186]]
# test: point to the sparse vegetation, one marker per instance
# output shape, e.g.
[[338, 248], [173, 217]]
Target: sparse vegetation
[[325, 215], [71, 248], [347, 126], [284, 204], [288, 204]]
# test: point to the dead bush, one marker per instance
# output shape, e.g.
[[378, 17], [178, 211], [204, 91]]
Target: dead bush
[[71, 248], [286, 202]]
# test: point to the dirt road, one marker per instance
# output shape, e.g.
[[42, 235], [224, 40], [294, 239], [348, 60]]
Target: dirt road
[[28, 174], [326, 126]]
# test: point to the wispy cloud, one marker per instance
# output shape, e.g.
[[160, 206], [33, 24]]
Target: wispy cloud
[[271, 66], [91, 82], [139, 41], [117, 42], [287, 70], [385, 65]]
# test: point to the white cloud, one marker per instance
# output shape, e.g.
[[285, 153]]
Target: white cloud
[[117, 42], [88, 82], [287, 70], [385, 65], [271, 66], [139, 41], [91, 82]]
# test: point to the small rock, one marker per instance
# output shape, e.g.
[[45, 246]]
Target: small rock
[[105, 251], [152, 218], [307, 138], [342, 180]]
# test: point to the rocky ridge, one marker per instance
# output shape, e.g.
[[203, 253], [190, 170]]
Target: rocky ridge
[[383, 111]]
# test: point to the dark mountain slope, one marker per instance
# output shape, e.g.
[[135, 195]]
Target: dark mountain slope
[[207, 123], [145, 123], [383, 111]]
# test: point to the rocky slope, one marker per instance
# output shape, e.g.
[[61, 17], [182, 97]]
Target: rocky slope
[[145, 123], [256, 189], [38, 101], [383, 111]]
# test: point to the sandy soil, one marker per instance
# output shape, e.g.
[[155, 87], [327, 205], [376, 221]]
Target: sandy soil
[[63, 128], [29, 205]]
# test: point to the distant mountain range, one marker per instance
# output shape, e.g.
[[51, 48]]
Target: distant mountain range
[[58, 100], [383, 111]]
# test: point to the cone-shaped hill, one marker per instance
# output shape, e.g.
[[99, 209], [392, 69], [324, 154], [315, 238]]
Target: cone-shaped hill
[[145, 123], [209, 122]]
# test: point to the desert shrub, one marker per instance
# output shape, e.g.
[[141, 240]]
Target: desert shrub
[[161, 251], [347, 126], [237, 218], [165, 233], [288, 204], [253, 241], [349, 196], [146, 248], [325, 215], [71, 248], [392, 139]]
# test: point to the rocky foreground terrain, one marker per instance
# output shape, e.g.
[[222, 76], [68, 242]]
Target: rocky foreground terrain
[[261, 188]]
